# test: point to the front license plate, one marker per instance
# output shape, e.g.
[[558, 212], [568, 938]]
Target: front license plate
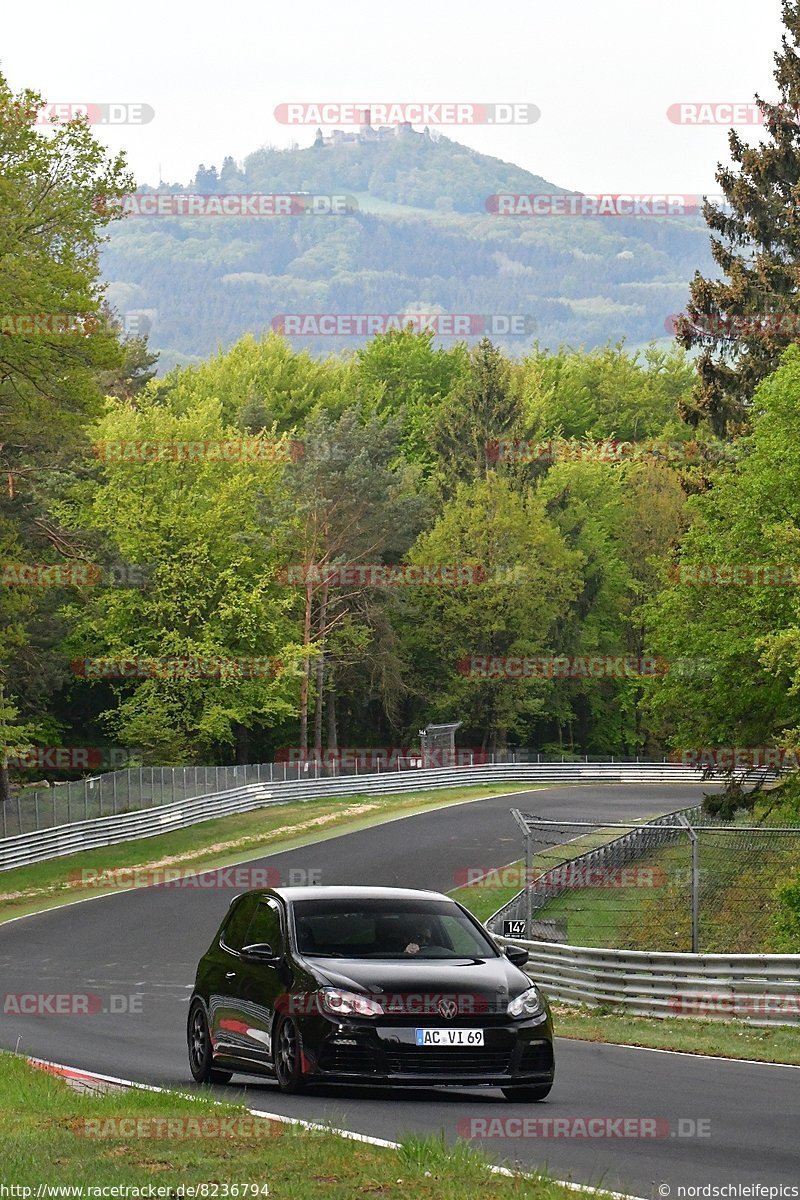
[[449, 1037]]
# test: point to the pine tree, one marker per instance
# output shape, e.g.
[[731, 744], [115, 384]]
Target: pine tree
[[741, 324]]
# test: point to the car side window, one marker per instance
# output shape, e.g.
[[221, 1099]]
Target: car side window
[[234, 929], [265, 926]]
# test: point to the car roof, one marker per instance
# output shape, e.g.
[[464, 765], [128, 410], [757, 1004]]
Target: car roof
[[317, 892]]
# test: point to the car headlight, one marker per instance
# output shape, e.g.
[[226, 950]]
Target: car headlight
[[527, 1004], [349, 1004]]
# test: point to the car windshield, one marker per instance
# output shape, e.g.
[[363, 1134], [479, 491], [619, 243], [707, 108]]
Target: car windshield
[[388, 929]]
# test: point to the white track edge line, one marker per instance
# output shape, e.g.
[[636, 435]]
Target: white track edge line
[[750, 1062]]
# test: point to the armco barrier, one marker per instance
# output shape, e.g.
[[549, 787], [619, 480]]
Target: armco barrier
[[125, 827], [755, 988]]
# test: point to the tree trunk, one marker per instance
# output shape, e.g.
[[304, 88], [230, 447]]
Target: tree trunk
[[5, 785], [242, 744], [333, 734], [320, 673], [306, 672]]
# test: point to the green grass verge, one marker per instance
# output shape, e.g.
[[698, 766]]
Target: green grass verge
[[724, 1039], [55, 1136], [221, 842]]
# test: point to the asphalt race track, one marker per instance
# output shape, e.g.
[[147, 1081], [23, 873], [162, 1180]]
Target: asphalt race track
[[146, 942]]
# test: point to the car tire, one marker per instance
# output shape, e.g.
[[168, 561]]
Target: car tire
[[287, 1056], [530, 1094], [201, 1058]]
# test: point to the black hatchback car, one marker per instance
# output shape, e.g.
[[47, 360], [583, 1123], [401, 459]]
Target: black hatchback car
[[366, 985]]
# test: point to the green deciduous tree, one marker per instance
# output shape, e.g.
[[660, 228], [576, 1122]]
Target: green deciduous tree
[[55, 343], [748, 634], [531, 577], [210, 592]]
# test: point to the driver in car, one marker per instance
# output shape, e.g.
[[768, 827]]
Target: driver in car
[[422, 936]]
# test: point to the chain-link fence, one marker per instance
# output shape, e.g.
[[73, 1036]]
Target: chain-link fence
[[130, 790], [682, 883]]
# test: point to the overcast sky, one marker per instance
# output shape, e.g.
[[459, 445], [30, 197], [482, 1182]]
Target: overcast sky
[[603, 75]]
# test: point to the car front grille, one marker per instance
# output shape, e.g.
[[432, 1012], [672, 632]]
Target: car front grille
[[423, 1060], [348, 1060]]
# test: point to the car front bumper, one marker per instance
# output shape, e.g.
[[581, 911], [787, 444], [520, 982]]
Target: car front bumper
[[515, 1053]]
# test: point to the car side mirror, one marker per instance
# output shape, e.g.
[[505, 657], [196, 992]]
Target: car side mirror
[[516, 955], [259, 952]]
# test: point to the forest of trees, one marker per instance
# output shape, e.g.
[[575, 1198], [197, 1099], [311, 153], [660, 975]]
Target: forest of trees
[[561, 505]]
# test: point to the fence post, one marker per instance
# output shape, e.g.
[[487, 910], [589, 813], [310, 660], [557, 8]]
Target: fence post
[[35, 805], [695, 884], [695, 893]]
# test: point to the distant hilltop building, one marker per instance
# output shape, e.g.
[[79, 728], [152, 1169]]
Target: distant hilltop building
[[367, 133]]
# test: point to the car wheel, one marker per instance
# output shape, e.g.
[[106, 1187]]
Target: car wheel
[[528, 1094], [287, 1056], [201, 1059]]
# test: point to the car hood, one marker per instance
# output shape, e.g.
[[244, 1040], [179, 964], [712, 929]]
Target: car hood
[[494, 980]]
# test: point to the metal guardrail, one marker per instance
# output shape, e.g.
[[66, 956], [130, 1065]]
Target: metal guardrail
[[59, 840], [132, 788], [758, 989]]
